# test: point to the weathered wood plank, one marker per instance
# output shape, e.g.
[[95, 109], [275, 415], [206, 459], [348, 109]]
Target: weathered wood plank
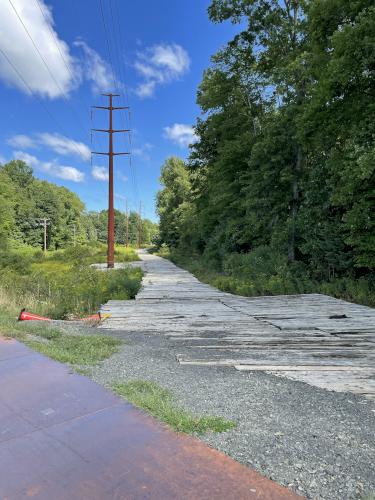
[[314, 338]]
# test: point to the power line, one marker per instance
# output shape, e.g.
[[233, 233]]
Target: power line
[[38, 51], [117, 49], [45, 62], [55, 39], [29, 89], [131, 167], [108, 46], [56, 42]]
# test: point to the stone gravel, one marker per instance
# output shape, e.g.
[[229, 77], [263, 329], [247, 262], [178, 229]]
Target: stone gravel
[[321, 444]]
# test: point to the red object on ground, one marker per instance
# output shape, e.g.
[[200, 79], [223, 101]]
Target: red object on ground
[[65, 437], [27, 316], [92, 317]]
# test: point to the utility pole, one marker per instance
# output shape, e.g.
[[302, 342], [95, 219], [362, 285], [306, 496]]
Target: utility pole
[[44, 222], [127, 225], [111, 216], [140, 225]]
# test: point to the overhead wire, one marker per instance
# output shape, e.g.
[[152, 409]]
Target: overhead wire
[[116, 57], [54, 39], [131, 168], [122, 75], [56, 42], [45, 62], [84, 128], [29, 89], [118, 46], [108, 46], [27, 86]]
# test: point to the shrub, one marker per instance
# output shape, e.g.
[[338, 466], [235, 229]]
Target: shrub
[[263, 261], [63, 284]]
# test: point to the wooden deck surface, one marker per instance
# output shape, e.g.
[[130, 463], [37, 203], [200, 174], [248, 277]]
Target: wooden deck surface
[[312, 338]]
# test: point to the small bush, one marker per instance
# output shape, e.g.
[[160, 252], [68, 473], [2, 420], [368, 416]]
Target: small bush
[[19, 263], [261, 262], [361, 290]]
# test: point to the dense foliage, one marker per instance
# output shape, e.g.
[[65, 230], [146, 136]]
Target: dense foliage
[[63, 284], [282, 174], [60, 283], [24, 200]]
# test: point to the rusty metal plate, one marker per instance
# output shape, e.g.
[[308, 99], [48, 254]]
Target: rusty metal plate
[[94, 445]]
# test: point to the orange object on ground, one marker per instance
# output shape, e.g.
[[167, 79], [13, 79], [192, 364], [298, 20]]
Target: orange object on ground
[[27, 316]]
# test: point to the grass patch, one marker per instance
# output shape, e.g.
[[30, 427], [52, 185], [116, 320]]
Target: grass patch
[[77, 349], [159, 402], [54, 343], [10, 327], [61, 285]]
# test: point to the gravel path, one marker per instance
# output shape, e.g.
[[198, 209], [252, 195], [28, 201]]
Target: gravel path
[[319, 443]]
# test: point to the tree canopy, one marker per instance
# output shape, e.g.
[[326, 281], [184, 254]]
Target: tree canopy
[[285, 153], [24, 200]]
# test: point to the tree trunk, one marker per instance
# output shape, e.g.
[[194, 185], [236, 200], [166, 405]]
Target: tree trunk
[[294, 207]]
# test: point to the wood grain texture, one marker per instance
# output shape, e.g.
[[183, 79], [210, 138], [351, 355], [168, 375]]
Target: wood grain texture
[[313, 338]]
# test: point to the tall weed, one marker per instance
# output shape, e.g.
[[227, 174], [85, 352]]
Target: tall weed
[[265, 271], [63, 284]]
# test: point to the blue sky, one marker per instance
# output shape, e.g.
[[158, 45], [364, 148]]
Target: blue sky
[[158, 50]]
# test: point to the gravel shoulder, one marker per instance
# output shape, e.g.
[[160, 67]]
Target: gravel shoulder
[[319, 443]]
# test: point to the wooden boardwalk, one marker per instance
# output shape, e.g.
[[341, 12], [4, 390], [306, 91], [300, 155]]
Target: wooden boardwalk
[[312, 338]]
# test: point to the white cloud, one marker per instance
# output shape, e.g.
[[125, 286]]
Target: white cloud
[[146, 89], [173, 57], [22, 141], [51, 168], [95, 69], [31, 160], [55, 72], [143, 151], [99, 173], [181, 134], [57, 142], [160, 64], [68, 173], [64, 146], [19, 48]]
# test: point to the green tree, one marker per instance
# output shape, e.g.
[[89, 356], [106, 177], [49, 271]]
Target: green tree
[[284, 159], [20, 173], [174, 178], [8, 196]]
